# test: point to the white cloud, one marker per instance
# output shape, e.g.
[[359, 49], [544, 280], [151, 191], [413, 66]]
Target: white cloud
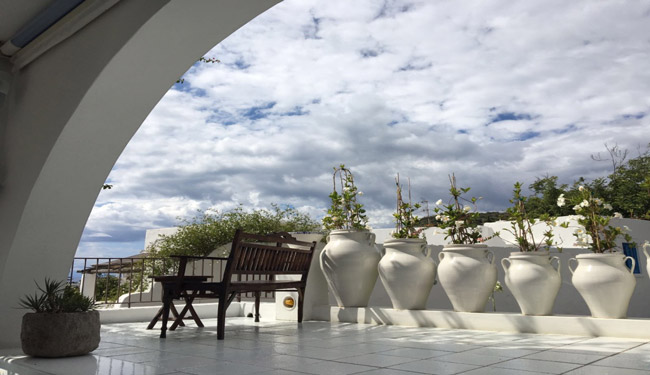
[[496, 92]]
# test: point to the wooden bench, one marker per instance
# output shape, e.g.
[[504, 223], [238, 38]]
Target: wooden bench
[[250, 255]]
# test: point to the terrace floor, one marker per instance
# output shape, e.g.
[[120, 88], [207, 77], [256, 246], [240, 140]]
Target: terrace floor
[[286, 348]]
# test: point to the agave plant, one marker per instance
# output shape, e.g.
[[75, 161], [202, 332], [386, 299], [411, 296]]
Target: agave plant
[[57, 297]]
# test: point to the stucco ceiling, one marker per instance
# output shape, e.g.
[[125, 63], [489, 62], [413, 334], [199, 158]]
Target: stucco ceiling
[[16, 13]]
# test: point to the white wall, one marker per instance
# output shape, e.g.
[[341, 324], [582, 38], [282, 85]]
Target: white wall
[[70, 114]]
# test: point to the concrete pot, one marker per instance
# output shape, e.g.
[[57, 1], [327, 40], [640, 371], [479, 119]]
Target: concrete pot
[[468, 275], [533, 281], [604, 282], [60, 334], [349, 263], [407, 272]]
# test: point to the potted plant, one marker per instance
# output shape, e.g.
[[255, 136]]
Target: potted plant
[[528, 273], [349, 260], [406, 269], [602, 278], [466, 271], [64, 323]]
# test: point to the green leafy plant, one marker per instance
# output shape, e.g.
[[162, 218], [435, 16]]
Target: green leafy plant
[[57, 297], [522, 224], [597, 234], [211, 230], [405, 220], [459, 220], [345, 212]]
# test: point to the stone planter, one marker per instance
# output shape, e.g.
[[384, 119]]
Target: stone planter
[[533, 281], [407, 272], [468, 275], [349, 263], [60, 334], [604, 282]]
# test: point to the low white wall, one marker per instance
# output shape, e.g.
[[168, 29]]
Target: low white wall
[[498, 322], [204, 310]]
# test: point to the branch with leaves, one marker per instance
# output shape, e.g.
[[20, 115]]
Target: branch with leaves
[[345, 212], [460, 216], [405, 220], [522, 225]]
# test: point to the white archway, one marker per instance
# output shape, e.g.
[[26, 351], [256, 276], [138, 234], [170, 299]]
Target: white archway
[[69, 115]]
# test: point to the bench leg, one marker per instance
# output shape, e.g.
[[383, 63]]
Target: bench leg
[[221, 316], [155, 319], [167, 302], [301, 303], [257, 306]]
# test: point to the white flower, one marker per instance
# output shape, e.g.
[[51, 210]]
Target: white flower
[[577, 208], [618, 215], [360, 193], [335, 218], [581, 188], [459, 223], [439, 202], [445, 218], [584, 203], [598, 201], [467, 208], [607, 206], [560, 200], [438, 217], [627, 229]]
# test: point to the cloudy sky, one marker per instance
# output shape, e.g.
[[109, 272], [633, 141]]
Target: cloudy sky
[[494, 91]]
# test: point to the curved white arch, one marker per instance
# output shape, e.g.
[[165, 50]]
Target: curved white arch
[[70, 114]]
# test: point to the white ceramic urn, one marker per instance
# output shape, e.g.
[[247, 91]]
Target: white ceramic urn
[[349, 263], [407, 272], [468, 275], [647, 258], [604, 282], [533, 281]]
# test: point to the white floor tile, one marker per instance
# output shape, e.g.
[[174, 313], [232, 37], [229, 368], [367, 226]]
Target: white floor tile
[[433, 366], [286, 348], [547, 367]]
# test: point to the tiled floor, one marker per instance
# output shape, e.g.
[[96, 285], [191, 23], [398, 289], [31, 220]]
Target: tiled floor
[[281, 348]]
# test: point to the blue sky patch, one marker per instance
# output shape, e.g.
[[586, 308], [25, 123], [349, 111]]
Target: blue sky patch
[[296, 111], [528, 135], [637, 116], [567, 129], [510, 116], [258, 112]]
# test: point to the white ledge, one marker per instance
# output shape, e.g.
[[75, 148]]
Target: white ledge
[[501, 322]]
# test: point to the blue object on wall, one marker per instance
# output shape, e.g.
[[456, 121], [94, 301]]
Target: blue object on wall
[[630, 250]]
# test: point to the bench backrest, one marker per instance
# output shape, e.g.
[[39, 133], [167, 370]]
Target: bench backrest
[[276, 254]]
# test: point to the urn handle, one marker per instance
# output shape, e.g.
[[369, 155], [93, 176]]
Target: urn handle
[[441, 255], [371, 238], [569, 264], [426, 250], [490, 256], [633, 263], [503, 264], [558, 264], [646, 246]]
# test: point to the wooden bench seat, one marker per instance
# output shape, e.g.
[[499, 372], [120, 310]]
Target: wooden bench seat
[[251, 254]]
